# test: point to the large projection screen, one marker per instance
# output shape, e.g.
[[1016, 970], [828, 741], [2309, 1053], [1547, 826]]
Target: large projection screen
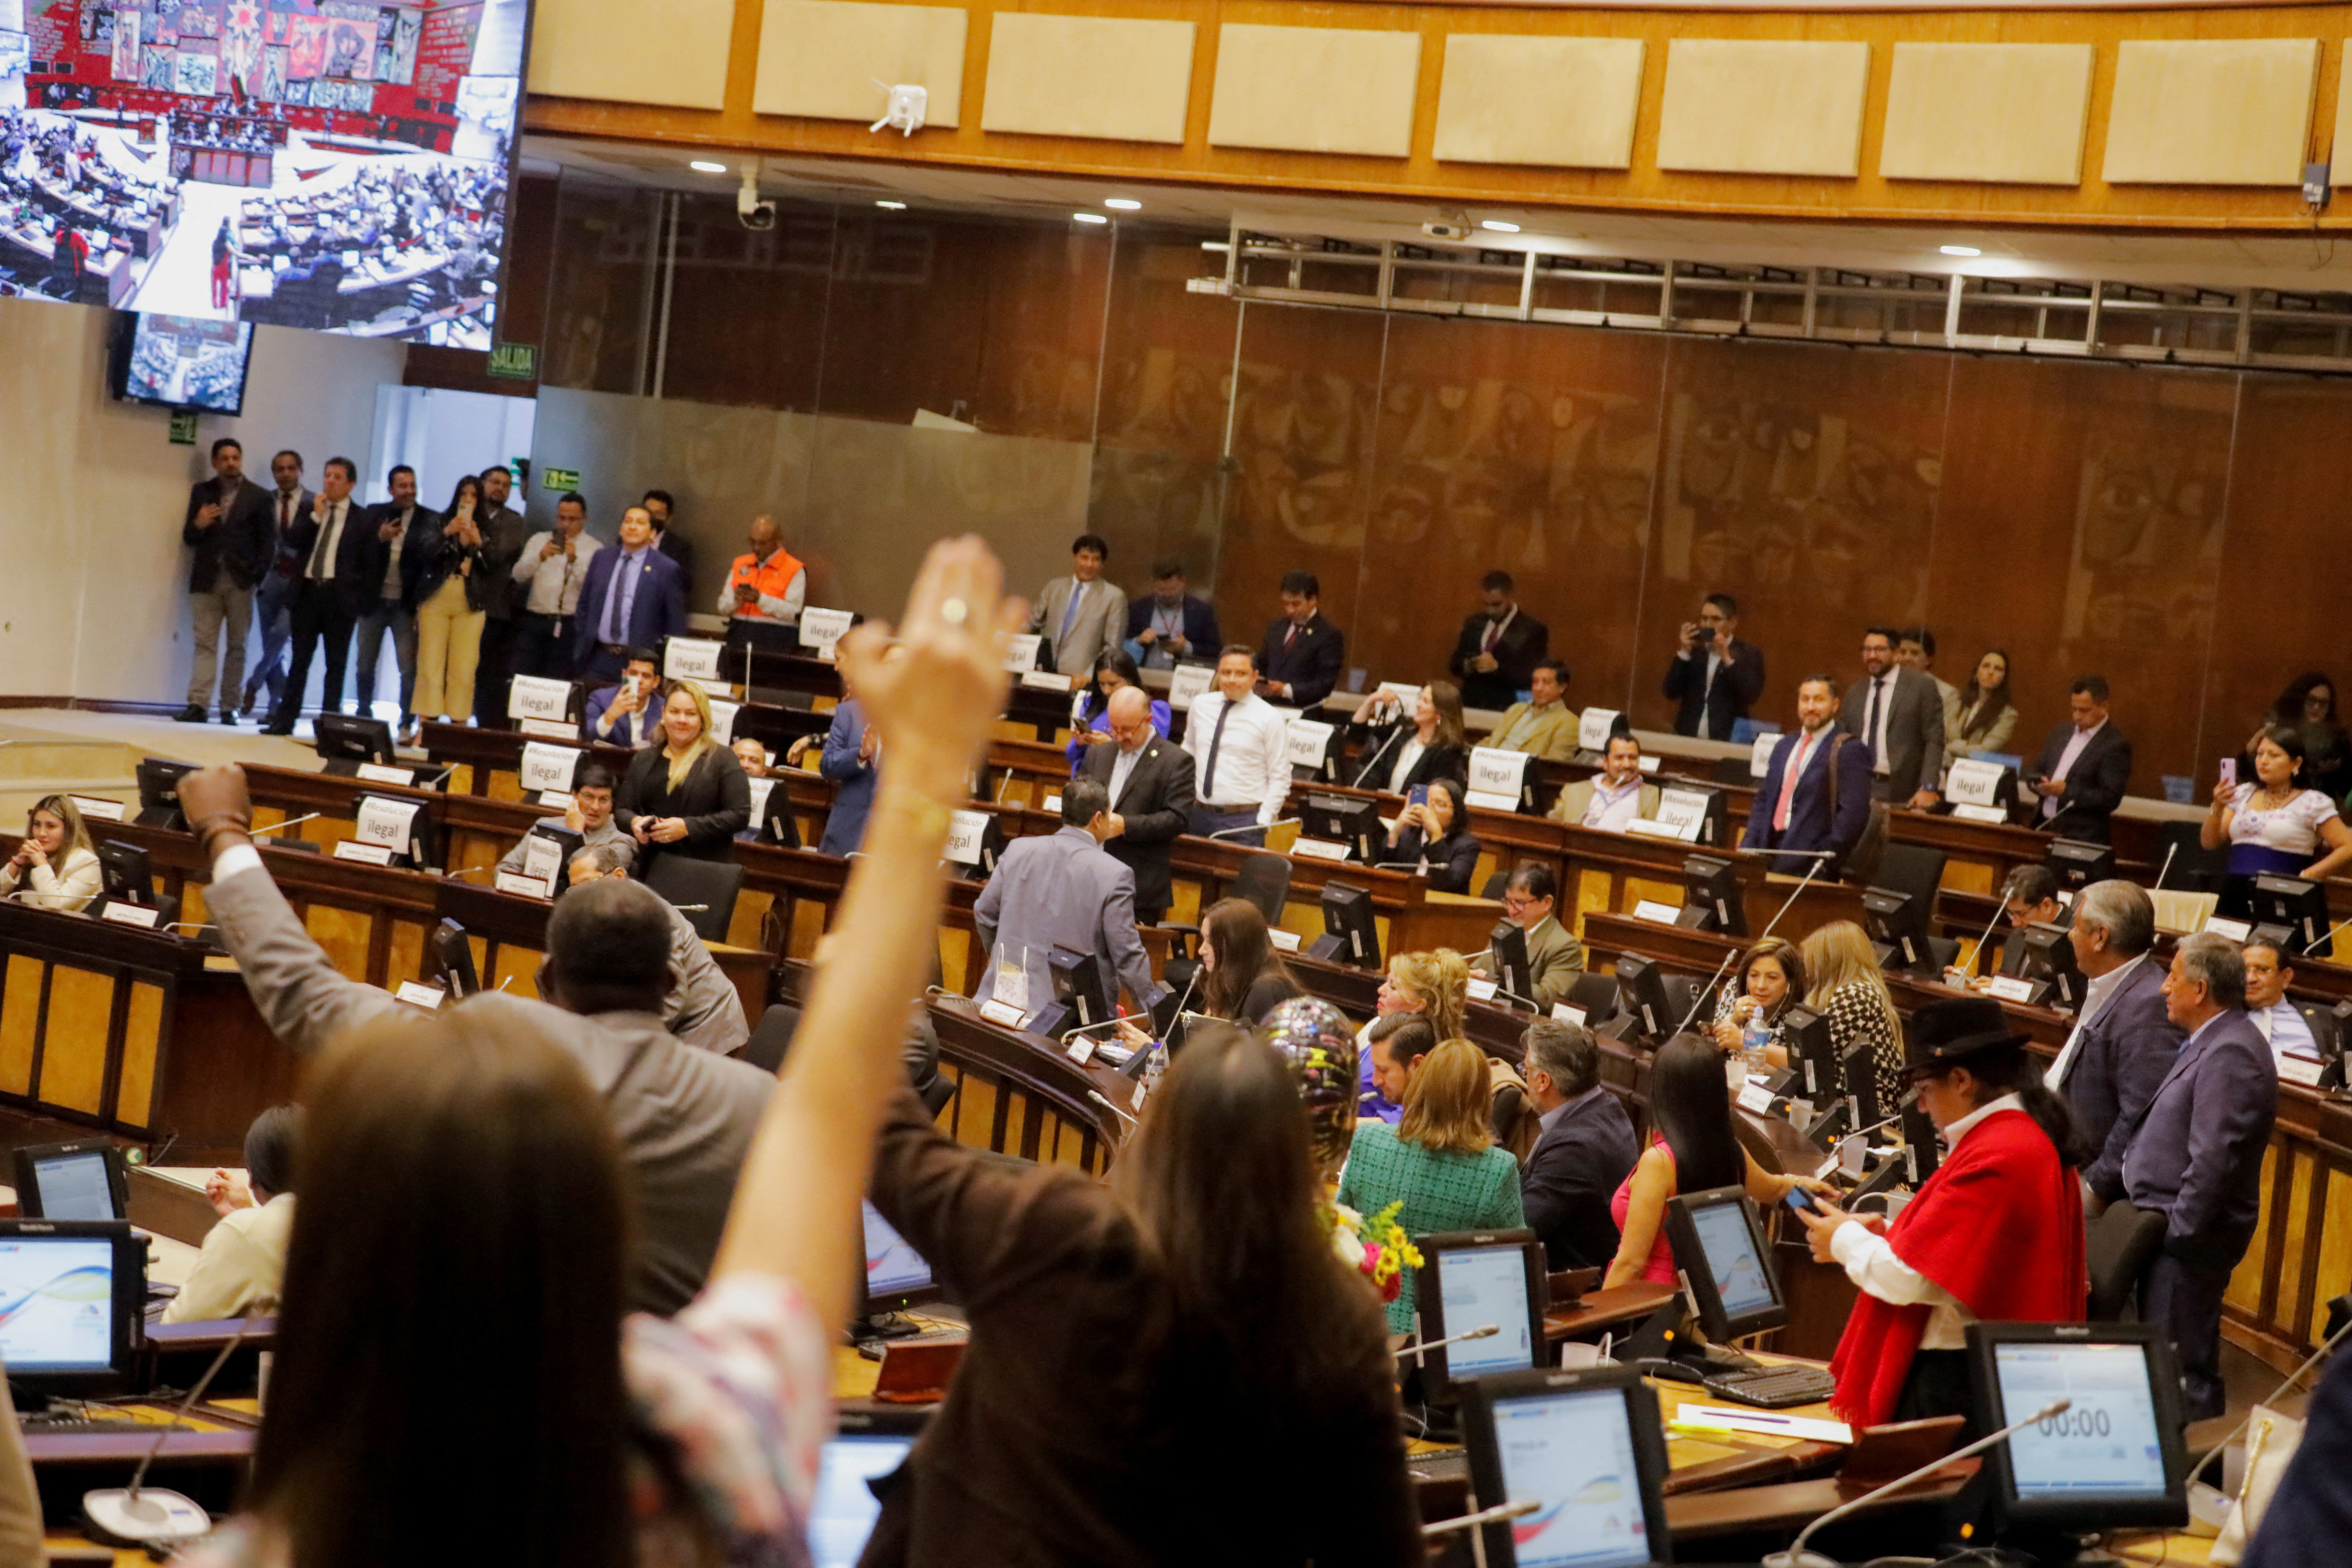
[[318, 164]]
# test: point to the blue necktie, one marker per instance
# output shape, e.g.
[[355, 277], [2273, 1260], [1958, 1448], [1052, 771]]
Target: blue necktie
[[1070, 613]]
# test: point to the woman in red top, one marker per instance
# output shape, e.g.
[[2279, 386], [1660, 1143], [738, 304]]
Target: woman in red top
[[1996, 1233]]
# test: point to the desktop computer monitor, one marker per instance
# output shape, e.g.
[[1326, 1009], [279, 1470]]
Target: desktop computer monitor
[[896, 1276], [2050, 964], [71, 1292], [1712, 898], [1719, 1246], [159, 794], [1812, 1054], [2114, 1458], [1349, 935], [454, 954], [126, 874], [1900, 930], [1468, 1280], [2290, 911], [83, 1180], [866, 1445], [1345, 819], [1859, 1072], [1922, 1152], [2077, 864], [343, 742], [1642, 997], [1080, 1000], [1506, 945], [1588, 1449]]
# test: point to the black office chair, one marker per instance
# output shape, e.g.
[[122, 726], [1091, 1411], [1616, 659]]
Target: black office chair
[[2122, 1243], [2191, 865], [1597, 995], [1495, 884], [1910, 868], [772, 1036], [1264, 880], [713, 884]]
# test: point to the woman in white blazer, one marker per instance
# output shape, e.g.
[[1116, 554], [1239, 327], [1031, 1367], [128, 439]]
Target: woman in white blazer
[[56, 867]]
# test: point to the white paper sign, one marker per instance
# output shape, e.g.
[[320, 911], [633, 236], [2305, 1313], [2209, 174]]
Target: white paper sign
[[525, 887], [546, 767], [1650, 765], [1187, 681], [2295, 1068], [1567, 1013], [692, 658], [132, 914], [1499, 772], [1685, 811], [1650, 828], [1021, 651], [1988, 813], [96, 810], [1283, 940], [1004, 1013], [1319, 849], [543, 858], [386, 822], [536, 696], [1047, 680], [1592, 728], [822, 629], [722, 720], [1759, 755], [417, 994], [1082, 1051], [1972, 782], [965, 830], [550, 729], [1651, 910], [2010, 988], [373, 854], [2236, 930], [761, 790], [1307, 742], [1482, 990], [377, 772], [1756, 1098]]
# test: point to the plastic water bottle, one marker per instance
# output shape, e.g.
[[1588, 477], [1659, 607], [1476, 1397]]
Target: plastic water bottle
[[1753, 1036]]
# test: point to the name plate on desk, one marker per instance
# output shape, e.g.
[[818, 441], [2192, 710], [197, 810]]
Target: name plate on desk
[[2295, 1068], [1051, 802], [1567, 1014], [1754, 1098], [1481, 989], [1971, 781], [132, 914], [1187, 681], [538, 697], [821, 630], [1650, 828], [1651, 910], [1081, 1051], [1283, 940], [526, 887], [692, 658], [1004, 1013], [1650, 765], [98, 810], [418, 995], [550, 729], [2236, 930], [1993, 815], [1047, 680], [1021, 651], [1592, 728], [548, 768], [1497, 778], [2012, 988], [367, 854], [1319, 849], [377, 772]]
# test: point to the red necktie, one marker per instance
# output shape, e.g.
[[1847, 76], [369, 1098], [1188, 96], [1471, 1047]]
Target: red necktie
[[1493, 633], [1789, 784], [1290, 637]]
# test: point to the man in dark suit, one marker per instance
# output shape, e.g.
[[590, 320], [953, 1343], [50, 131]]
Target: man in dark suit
[[1585, 1152], [2198, 1158], [273, 600], [504, 532], [1298, 664], [1494, 658], [633, 598], [629, 713], [658, 504], [2084, 767], [1816, 795], [1714, 676], [230, 532], [2123, 1042], [391, 608], [1169, 625], [1148, 780], [342, 569], [1899, 714]]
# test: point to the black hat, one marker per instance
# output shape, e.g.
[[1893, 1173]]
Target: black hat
[[1944, 1032]]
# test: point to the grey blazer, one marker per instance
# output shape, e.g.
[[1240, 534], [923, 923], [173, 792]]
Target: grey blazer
[[1914, 731], [2123, 1055], [2197, 1156], [685, 1117], [1062, 891], [1100, 620]]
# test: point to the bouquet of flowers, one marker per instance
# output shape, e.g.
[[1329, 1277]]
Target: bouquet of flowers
[[1377, 1246]]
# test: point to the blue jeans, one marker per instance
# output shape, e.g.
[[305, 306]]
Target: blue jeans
[[273, 605], [389, 616], [1208, 819]]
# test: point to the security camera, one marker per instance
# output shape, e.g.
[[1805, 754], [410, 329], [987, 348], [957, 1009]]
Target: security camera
[[750, 210], [1447, 230]]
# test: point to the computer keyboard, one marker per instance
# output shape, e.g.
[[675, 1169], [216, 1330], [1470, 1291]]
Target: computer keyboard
[[1772, 1387], [35, 1425]]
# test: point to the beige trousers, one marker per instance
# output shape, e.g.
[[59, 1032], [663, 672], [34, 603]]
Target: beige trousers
[[448, 641]]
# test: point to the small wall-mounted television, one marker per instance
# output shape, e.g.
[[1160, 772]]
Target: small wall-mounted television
[[179, 361]]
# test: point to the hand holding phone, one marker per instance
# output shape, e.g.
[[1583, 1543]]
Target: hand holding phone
[[1803, 1201], [2230, 771], [1417, 795]]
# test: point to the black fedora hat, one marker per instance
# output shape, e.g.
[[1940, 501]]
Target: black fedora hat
[[1946, 1032]]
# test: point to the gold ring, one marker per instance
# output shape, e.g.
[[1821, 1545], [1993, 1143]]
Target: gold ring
[[955, 611]]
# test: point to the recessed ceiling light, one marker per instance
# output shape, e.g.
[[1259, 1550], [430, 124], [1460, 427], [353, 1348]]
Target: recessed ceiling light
[[705, 166], [1124, 203], [1959, 250], [1498, 227], [892, 207], [1090, 217]]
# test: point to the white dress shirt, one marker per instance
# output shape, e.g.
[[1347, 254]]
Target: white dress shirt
[[2286, 1029], [321, 567], [1881, 693], [555, 583], [2095, 991], [1122, 768], [1611, 809], [1869, 1261], [1407, 755], [2074, 744], [1253, 759]]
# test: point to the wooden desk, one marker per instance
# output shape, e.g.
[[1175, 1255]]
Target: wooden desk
[[1601, 1310]]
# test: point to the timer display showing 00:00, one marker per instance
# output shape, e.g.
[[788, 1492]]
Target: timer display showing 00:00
[[2076, 1423]]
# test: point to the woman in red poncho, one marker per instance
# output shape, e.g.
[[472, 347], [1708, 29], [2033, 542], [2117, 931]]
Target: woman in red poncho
[[1996, 1233]]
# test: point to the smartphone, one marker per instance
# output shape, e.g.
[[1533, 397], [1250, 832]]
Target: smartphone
[[2230, 771], [1417, 795], [1801, 1199]]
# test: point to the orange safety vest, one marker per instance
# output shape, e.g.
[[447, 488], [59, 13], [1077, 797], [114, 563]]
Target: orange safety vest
[[772, 578]]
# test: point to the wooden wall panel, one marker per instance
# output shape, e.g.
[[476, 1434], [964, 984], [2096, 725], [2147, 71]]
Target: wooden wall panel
[[74, 1041], [820, 58], [613, 50], [20, 1023], [2011, 113], [2224, 112], [143, 1035], [1527, 98], [1755, 107], [1129, 79]]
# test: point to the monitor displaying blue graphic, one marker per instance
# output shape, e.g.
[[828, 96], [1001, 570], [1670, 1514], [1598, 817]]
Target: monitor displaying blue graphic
[[1573, 1454], [1482, 1285], [892, 1268], [1732, 1259], [57, 1303], [2107, 1445], [844, 1511]]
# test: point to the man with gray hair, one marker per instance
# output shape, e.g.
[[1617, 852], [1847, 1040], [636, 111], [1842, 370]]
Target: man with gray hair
[[2196, 1158], [1585, 1152], [2122, 1044]]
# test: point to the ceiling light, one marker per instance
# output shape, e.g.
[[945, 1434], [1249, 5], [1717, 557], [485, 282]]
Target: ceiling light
[[1959, 250], [892, 207], [1090, 217], [1124, 203], [1498, 227], [705, 166]]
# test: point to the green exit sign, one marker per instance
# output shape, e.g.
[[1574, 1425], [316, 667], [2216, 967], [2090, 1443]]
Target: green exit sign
[[515, 361], [559, 478], [183, 427]]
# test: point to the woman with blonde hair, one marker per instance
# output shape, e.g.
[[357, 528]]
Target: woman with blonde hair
[[1843, 984], [1439, 1161], [56, 867], [688, 795], [1434, 985]]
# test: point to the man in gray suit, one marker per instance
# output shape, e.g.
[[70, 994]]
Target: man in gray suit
[[684, 1118], [2198, 1158], [1063, 891], [1081, 615], [2123, 1042], [1899, 714]]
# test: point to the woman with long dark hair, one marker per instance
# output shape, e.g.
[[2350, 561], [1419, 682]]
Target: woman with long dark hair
[[2274, 822], [1996, 1233], [1114, 668], [1435, 838], [1693, 1149], [2309, 706], [1399, 750], [1185, 1332], [1983, 718], [1243, 977]]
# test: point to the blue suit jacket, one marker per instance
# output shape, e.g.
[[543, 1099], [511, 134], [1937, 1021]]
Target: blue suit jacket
[[1573, 1172], [1809, 827], [2197, 1156], [659, 610], [629, 729], [1200, 627], [2123, 1055], [845, 824]]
